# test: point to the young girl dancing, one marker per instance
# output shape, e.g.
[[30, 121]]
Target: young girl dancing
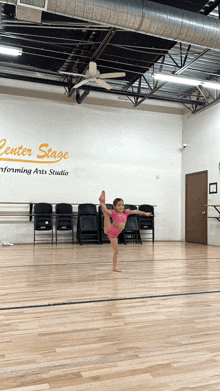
[[119, 216]]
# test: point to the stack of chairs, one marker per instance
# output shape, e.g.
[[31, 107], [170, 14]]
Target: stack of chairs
[[147, 222], [131, 232], [88, 224], [43, 219], [64, 218]]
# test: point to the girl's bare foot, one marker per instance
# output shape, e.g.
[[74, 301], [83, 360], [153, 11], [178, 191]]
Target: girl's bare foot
[[102, 197], [117, 270]]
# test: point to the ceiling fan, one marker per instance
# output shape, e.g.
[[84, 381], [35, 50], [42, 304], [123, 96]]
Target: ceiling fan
[[93, 74]]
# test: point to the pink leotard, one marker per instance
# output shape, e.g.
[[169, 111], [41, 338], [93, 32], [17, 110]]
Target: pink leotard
[[118, 218], [114, 232]]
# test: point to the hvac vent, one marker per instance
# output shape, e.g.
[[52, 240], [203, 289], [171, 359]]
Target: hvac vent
[[37, 4]]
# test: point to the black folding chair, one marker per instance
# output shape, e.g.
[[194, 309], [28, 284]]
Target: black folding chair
[[88, 224], [131, 232], [64, 218], [147, 222], [130, 206], [43, 218]]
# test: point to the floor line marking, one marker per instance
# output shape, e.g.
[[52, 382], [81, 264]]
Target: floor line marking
[[109, 300], [107, 262]]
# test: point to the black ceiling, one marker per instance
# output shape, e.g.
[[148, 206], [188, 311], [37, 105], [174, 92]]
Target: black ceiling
[[68, 44]]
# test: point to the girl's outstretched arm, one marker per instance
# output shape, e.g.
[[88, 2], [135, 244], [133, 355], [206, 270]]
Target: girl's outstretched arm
[[139, 212]]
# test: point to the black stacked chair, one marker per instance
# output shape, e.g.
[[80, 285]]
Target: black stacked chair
[[64, 218], [43, 218], [147, 222], [103, 236], [88, 224], [131, 232], [130, 206]]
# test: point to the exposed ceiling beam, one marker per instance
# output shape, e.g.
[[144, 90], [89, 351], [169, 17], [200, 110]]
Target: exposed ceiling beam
[[96, 89], [178, 72], [210, 7]]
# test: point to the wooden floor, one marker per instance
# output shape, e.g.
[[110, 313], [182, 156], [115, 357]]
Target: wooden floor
[[68, 323]]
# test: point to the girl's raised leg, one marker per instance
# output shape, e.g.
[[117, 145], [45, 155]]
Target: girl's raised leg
[[102, 197], [107, 220], [114, 244]]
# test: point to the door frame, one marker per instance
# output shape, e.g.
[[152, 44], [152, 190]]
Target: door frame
[[197, 173]]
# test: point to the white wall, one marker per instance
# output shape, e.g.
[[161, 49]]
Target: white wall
[[121, 150], [202, 133]]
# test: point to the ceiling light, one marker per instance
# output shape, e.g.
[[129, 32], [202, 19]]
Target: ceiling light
[[186, 80], [211, 84], [10, 51], [177, 79]]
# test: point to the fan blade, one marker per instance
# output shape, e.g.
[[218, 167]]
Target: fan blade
[[92, 68], [81, 83], [102, 83], [71, 74], [112, 75]]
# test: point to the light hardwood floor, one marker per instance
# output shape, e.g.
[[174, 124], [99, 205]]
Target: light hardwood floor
[[68, 323]]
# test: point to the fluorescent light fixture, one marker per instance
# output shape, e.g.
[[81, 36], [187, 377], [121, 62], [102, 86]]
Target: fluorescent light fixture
[[186, 80], [10, 51], [176, 79], [211, 84]]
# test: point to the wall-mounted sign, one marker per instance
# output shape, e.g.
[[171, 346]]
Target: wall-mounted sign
[[213, 188], [30, 171], [44, 154]]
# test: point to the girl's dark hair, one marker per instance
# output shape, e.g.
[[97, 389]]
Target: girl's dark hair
[[116, 200]]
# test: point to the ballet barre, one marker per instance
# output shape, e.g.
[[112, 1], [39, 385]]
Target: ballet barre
[[30, 213], [216, 208]]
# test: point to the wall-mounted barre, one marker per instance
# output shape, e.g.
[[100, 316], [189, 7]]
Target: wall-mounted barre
[[216, 208], [31, 204]]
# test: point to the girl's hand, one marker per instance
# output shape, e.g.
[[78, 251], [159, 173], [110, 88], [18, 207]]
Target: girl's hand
[[148, 214]]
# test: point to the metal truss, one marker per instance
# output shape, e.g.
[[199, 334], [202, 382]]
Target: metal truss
[[179, 59], [198, 98], [210, 6]]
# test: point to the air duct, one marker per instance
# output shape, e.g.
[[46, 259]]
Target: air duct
[[28, 14], [36, 4], [142, 16]]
